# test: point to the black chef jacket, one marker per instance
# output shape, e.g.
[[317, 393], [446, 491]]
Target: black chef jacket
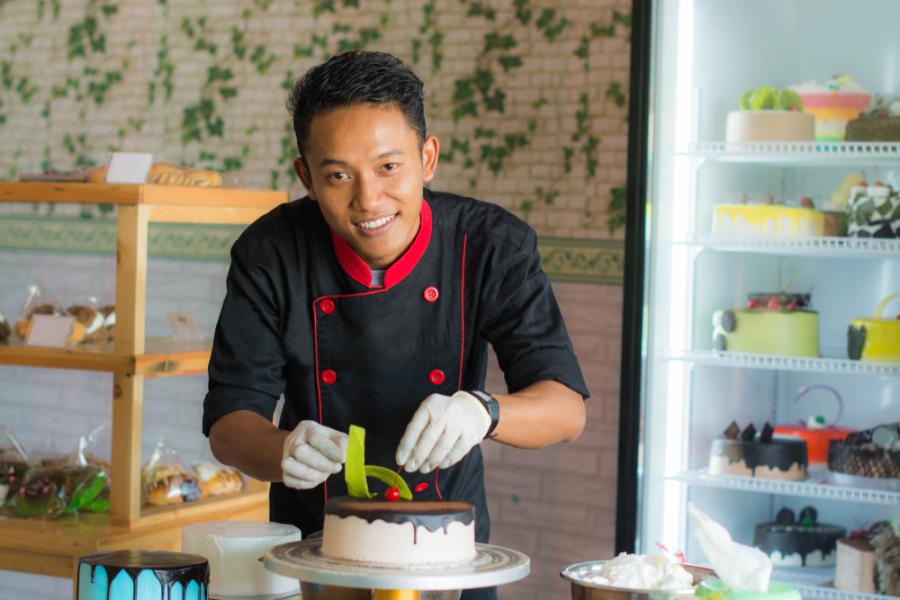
[[300, 318]]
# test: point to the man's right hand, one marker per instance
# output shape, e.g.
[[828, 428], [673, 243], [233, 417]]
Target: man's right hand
[[312, 453]]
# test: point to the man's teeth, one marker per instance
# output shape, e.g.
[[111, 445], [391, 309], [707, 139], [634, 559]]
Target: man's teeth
[[376, 223]]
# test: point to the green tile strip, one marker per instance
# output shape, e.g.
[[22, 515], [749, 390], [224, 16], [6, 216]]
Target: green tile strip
[[564, 259]]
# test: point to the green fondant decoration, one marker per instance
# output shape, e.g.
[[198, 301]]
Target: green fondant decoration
[[356, 470], [355, 467], [390, 478]]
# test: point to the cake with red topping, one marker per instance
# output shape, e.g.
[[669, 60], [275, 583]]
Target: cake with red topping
[[771, 323]]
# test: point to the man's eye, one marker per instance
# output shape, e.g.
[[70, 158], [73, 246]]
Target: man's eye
[[337, 176], [390, 166]]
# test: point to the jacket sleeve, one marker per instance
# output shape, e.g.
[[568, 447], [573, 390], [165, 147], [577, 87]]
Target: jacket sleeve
[[524, 324], [246, 368]]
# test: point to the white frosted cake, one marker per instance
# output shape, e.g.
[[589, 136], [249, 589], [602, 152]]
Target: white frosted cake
[[382, 532], [769, 126], [233, 549]]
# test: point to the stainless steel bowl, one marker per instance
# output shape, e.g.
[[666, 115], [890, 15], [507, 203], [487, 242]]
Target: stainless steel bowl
[[586, 590]]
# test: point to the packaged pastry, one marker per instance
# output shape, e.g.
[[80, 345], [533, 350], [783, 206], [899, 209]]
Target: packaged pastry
[[4, 328], [42, 302], [216, 480], [49, 492], [14, 465], [165, 481], [95, 319]]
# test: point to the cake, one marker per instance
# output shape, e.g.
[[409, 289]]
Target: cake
[[805, 542], [876, 338], [855, 570], [769, 115], [885, 539], [4, 328], [767, 220], [874, 211], [393, 533], [833, 104], [873, 453], [880, 123], [770, 324], [747, 454], [232, 549], [815, 430], [142, 575]]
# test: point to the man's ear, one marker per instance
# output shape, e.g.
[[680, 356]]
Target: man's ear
[[431, 149], [302, 170]]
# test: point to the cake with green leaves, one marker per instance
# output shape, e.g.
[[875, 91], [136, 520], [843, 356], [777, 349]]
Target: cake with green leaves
[[770, 115]]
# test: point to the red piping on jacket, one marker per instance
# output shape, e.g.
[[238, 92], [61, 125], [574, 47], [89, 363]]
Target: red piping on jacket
[[462, 311], [360, 272]]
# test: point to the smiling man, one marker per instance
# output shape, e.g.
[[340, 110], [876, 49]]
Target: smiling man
[[372, 301]]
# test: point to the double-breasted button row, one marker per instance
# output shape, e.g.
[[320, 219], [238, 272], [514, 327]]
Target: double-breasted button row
[[435, 376]]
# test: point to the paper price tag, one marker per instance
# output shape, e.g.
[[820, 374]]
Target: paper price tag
[[129, 167], [49, 331], [184, 327]]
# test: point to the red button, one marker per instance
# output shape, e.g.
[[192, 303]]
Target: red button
[[431, 294], [436, 377], [329, 376], [327, 306]]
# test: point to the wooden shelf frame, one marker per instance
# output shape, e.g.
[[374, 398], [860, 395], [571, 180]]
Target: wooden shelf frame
[[53, 547]]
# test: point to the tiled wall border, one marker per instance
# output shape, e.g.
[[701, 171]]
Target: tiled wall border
[[564, 259]]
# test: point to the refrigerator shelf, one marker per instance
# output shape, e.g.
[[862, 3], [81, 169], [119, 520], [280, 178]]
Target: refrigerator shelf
[[816, 583], [811, 488], [787, 363], [799, 153], [837, 247]]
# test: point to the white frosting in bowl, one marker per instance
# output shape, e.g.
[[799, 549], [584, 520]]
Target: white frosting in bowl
[[641, 572]]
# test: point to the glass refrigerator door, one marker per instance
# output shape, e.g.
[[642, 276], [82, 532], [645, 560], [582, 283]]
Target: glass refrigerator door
[[704, 54]]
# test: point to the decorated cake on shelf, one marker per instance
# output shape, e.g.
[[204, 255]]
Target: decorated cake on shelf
[[771, 323], [142, 575], [815, 430], [393, 530], [880, 123], [789, 541], [748, 454], [868, 561], [876, 338], [872, 454], [4, 328], [874, 211], [768, 218], [769, 115], [833, 104]]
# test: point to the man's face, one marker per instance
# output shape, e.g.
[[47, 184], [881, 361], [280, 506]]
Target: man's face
[[364, 167]]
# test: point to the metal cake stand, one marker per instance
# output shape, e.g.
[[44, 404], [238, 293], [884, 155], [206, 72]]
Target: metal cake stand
[[303, 560]]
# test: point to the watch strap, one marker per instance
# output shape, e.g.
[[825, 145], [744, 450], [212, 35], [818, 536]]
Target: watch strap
[[491, 406]]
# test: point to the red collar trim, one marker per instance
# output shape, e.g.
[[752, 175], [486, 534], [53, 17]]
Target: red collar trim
[[357, 268]]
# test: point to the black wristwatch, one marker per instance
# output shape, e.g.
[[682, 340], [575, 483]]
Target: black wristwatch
[[491, 406]]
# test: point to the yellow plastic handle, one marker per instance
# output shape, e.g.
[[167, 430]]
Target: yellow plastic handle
[[395, 595], [879, 310]]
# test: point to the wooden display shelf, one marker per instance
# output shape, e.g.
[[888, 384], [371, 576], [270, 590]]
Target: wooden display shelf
[[165, 203], [162, 357], [53, 547]]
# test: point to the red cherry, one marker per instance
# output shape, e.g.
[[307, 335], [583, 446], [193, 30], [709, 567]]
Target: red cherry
[[392, 494], [806, 202], [774, 303], [421, 487], [753, 303], [793, 305]]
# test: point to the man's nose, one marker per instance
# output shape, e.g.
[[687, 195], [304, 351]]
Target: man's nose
[[368, 193]]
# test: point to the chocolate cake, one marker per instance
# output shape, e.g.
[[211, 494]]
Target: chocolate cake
[[870, 453], [885, 539], [881, 123], [750, 455], [804, 542]]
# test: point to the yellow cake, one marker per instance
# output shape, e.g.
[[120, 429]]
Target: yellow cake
[[768, 220]]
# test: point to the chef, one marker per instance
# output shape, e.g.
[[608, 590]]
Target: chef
[[372, 302]]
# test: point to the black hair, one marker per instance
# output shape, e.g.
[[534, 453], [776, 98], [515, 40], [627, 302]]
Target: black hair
[[357, 77]]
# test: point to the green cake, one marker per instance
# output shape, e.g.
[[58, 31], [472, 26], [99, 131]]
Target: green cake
[[770, 324]]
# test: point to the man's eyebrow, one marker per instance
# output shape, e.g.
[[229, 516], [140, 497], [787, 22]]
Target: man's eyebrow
[[334, 161]]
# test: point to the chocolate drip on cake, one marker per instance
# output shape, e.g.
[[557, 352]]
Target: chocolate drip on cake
[[780, 453], [431, 515], [787, 536], [169, 568]]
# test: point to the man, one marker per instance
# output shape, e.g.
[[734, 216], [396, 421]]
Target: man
[[372, 302]]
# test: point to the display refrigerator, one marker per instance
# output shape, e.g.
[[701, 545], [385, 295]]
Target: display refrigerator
[[682, 386]]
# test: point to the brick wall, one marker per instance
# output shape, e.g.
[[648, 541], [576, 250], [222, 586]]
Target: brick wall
[[555, 504]]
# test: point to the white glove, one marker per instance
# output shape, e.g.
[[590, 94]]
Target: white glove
[[311, 453], [442, 431]]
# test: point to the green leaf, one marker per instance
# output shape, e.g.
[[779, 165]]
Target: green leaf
[[355, 467], [390, 478]]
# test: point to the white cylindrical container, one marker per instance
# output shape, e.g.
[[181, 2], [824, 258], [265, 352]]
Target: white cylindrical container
[[233, 549]]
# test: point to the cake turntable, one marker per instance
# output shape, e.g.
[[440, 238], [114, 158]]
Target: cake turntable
[[330, 579]]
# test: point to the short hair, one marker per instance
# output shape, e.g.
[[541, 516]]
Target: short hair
[[356, 77]]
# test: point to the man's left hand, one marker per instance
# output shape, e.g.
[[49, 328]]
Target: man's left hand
[[442, 431]]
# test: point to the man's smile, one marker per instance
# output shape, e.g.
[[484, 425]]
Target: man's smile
[[378, 225]]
